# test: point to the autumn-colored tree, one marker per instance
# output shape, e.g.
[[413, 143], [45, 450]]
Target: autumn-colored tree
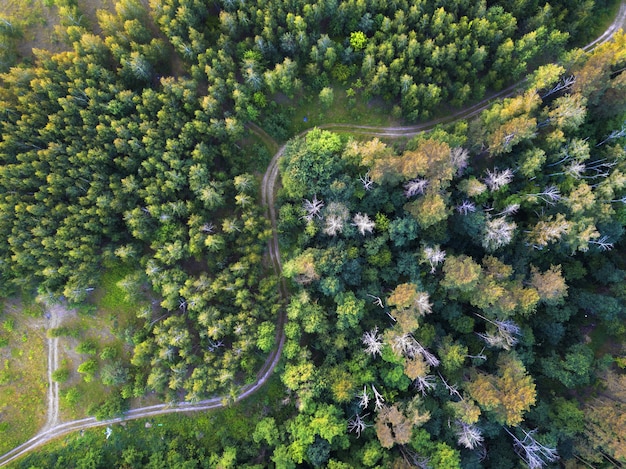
[[410, 304], [428, 210], [605, 430], [302, 268], [550, 285], [440, 165], [508, 394], [549, 230], [465, 410], [395, 423], [415, 367], [461, 273]]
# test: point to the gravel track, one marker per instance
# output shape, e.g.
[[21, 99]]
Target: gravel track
[[53, 429]]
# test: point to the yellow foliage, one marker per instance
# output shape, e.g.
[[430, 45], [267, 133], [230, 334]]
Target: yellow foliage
[[550, 285], [509, 394], [428, 210]]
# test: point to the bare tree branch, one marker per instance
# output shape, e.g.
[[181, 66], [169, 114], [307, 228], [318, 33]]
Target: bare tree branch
[[357, 425], [373, 342]]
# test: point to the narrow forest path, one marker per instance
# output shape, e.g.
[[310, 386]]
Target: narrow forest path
[[54, 428], [54, 321]]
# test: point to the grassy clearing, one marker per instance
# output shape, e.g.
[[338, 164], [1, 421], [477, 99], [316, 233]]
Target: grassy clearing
[[210, 431], [109, 296], [37, 21], [92, 342], [357, 110], [97, 334], [23, 380]]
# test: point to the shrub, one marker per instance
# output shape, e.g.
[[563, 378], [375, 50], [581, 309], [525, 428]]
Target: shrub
[[108, 353], [64, 331], [88, 369], [87, 347], [61, 375], [9, 325], [71, 396]]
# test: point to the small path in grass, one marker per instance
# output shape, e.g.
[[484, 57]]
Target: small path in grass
[[54, 314]]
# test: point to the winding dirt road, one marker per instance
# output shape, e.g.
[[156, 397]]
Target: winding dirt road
[[53, 429]]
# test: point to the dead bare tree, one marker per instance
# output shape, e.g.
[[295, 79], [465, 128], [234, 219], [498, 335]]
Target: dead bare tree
[[563, 84], [509, 210], [415, 187], [468, 435], [367, 182], [364, 398], [459, 157], [373, 342], [602, 243], [380, 400], [505, 336], [312, 208], [496, 179], [452, 389], [424, 383], [434, 256], [479, 356], [613, 135], [363, 223], [549, 195], [498, 232], [533, 453], [466, 207], [413, 459], [357, 424], [377, 300]]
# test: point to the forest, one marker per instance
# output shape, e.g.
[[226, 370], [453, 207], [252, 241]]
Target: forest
[[454, 299]]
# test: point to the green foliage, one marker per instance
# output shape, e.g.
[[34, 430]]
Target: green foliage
[[87, 347], [349, 310], [572, 370], [88, 369], [311, 163], [114, 406], [326, 97], [358, 40], [108, 353], [114, 374], [9, 325], [126, 176], [61, 375], [64, 331]]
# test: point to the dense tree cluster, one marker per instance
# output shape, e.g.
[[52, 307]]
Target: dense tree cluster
[[463, 303], [420, 53], [104, 161]]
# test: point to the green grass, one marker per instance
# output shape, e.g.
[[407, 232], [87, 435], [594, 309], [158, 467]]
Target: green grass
[[112, 312], [356, 110], [111, 298], [23, 381], [93, 330], [210, 430]]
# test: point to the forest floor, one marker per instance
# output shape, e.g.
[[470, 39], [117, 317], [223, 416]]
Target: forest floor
[[23, 363]]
